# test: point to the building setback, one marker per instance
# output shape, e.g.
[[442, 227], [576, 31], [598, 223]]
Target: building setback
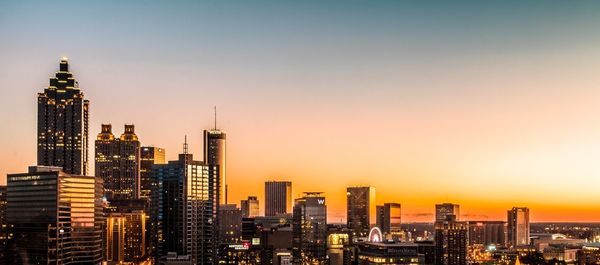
[[57, 217], [62, 124]]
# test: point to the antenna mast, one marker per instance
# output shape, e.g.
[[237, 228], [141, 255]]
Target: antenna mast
[[185, 145], [215, 118]]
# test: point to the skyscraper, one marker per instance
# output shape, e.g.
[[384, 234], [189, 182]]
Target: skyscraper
[[389, 219], [214, 155], [230, 224], [278, 197], [309, 245], [62, 138], [451, 242], [361, 210], [186, 208], [518, 226], [149, 156], [57, 217], [445, 209], [118, 162], [250, 207]]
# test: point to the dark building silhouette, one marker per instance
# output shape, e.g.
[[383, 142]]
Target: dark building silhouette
[[361, 210], [215, 155], [389, 219], [118, 163], [309, 245], [451, 241], [278, 197], [62, 138], [186, 209], [230, 224], [57, 217]]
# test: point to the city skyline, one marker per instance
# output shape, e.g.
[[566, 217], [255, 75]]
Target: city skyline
[[487, 150]]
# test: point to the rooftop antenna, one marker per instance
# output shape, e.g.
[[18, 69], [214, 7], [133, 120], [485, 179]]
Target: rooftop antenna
[[215, 118], [185, 145]]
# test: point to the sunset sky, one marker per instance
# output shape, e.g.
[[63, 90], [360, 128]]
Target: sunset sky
[[488, 105]]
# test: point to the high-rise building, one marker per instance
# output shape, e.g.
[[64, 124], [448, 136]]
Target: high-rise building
[[445, 209], [518, 226], [250, 207], [5, 230], [230, 224], [487, 233], [309, 245], [215, 155], [62, 138], [278, 197], [149, 156], [125, 237], [389, 217], [186, 208], [451, 242], [118, 162], [57, 217], [361, 210]]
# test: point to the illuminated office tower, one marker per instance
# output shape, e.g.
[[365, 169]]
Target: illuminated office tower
[[451, 242], [389, 219], [125, 237], [62, 129], [230, 223], [5, 230], [278, 197], [518, 226], [57, 217], [149, 156], [250, 207], [118, 163], [309, 235], [488, 233], [445, 209], [215, 155], [361, 210], [186, 208]]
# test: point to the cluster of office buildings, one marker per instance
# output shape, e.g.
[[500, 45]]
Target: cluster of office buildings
[[141, 209]]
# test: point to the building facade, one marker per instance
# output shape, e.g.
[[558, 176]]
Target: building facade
[[62, 124], [309, 244], [445, 209], [118, 163], [57, 217], [250, 207], [230, 224], [125, 237], [361, 210], [149, 156], [186, 209], [518, 226], [215, 155], [488, 233], [451, 242], [389, 220], [278, 197]]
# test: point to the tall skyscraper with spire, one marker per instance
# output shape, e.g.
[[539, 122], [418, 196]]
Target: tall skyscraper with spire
[[214, 155], [63, 124]]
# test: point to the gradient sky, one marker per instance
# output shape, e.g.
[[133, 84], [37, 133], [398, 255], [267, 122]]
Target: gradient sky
[[486, 104]]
